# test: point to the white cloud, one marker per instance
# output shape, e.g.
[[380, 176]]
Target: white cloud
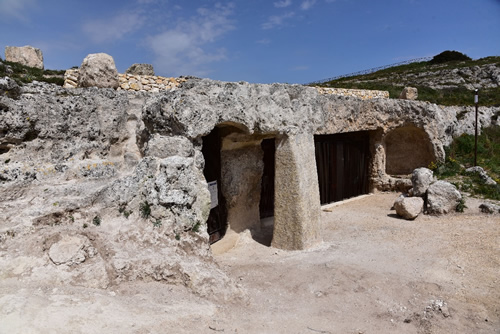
[[282, 3], [185, 49], [264, 41], [106, 30], [307, 4], [16, 8], [277, 20]]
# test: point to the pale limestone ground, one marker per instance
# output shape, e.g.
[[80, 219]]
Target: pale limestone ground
[[374, 273]]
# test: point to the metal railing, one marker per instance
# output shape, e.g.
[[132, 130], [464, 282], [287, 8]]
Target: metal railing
[[375, 69]]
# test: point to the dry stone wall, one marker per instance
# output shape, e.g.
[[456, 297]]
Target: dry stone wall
[[131, 82], [363, 94]]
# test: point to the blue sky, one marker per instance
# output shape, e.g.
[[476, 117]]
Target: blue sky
[[294, 41]]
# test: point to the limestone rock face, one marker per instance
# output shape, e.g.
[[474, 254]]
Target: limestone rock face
[[408, 207], [442, 197], [9, 87], [409, 93], [71, 156], [98, 70], [24, 55], [141, 69], [421, 179]]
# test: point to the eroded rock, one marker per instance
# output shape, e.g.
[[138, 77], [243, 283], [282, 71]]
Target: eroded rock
[[482, 174], [408, 207], [442, 197], [98, 70], [71, 250], [421, 179], [140, 69], [409, 93], [489, 208], [24, 55]]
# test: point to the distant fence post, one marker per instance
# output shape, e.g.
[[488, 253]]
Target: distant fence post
[[476, 101]]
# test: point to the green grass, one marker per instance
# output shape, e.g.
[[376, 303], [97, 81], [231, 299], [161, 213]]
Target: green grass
[[460, 156], [145, 209], [25, 74], [384, 80]]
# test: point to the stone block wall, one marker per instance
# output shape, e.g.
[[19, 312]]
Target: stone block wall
[[130, 82], [363, 94]]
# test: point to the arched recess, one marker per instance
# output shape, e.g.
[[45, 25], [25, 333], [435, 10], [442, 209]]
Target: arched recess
[[407, 148]]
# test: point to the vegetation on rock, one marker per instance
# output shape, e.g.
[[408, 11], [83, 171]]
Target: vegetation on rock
[[460, 156], [24, 74], [447, 56], [451, 82]]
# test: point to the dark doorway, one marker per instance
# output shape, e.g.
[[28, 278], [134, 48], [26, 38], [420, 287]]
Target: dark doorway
[[266, 205], [342, 163], [217, 220]]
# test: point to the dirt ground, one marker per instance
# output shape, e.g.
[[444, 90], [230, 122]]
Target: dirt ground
[[373, 273]]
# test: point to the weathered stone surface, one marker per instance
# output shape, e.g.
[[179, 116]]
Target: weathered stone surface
[[489, 208], [71, 250], [9, 87], [141, 69], [408, 207], [162, 147], [98, 70], [75, 154], [442, 197], [421, 179], [409, 93], [482, 174], [297, 210], [24, 55], [241, 184]]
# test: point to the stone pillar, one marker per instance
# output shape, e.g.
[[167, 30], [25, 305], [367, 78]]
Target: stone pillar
[[297, 208]]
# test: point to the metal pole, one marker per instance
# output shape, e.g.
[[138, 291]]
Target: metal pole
[[476, 101]]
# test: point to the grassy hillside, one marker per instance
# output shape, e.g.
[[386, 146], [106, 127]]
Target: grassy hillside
[[394, 79]]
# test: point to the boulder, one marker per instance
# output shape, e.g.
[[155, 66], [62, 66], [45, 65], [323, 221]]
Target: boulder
[[482, 174], [24, 55], [141, 69], [489, 208], [98, 70], [408, 207], [409, 93], [421, 178], [442, 197]]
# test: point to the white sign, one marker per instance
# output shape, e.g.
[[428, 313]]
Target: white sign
[[212, 187]]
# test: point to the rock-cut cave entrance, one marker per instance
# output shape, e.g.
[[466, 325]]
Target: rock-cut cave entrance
[[342, 162], [239, 169]]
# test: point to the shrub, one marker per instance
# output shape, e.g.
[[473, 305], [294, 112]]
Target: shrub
[[447, 56], [461, 205], [145, 209], [96, 221]]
